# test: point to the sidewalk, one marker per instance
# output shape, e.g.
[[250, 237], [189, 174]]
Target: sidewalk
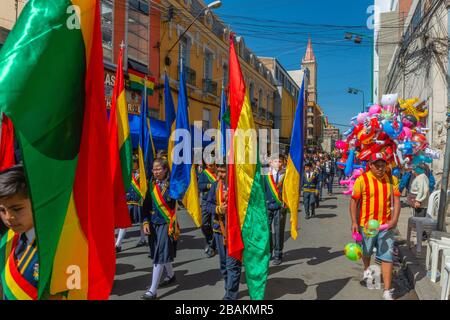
[[415, 265]]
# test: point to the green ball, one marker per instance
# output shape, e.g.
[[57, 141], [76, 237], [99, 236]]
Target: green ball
[[371, 228], [353, 251], [373, 224]]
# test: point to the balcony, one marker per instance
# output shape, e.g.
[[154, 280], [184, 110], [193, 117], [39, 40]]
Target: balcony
[[189, 74], [210, 86]]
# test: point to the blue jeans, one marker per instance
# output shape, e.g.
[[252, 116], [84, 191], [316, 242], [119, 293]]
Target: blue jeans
[[230, 269], [383, 241], [309, 202]]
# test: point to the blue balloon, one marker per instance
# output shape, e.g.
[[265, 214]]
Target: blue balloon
[[388, 128], [349, 164], [396, 172]]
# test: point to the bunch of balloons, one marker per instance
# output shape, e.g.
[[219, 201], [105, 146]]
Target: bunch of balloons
[[393, 129]]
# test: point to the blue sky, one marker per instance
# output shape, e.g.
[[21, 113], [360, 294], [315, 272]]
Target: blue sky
[[341, 63]]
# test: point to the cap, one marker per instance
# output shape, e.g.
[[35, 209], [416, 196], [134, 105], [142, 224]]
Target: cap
[[378, 156]]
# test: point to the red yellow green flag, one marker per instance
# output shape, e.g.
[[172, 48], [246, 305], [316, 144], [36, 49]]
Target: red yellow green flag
[[52, 89], [247, 222]]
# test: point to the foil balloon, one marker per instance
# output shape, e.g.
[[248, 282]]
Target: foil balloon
[[392, 128], [408, 107], [433, 154], [375, 109], [361, 117]]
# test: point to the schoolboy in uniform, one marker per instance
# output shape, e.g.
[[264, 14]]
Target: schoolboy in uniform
[[205, 181], [216, 204], [273, 184], [309, 189], [19, 263]]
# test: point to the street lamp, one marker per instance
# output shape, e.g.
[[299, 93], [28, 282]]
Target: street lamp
[[356, 91], [212, 5], [358, 40]]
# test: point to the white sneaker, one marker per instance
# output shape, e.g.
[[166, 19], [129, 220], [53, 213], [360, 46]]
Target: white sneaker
[[387, 294]]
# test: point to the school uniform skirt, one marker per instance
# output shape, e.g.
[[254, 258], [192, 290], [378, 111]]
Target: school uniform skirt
[[162, 247]]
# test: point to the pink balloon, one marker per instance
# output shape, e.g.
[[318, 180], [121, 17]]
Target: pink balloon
[[361, 117], [407, 133], [375, 109]]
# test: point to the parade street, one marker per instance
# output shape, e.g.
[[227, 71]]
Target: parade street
[[314, 266]]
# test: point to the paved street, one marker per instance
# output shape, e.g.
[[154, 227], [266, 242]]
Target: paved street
[[314, 266]]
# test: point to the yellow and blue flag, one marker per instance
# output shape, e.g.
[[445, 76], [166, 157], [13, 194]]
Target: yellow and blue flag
[[291, 188], [183, 180]]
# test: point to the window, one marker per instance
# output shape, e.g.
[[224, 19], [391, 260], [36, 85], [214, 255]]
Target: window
[[138, 24], [185, 51], [260, 100], [107, 29], [207, 119], [208, 65], [225, 75], [252, 97]]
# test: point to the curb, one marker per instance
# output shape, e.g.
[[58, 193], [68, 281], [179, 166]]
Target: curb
[[417, 275]]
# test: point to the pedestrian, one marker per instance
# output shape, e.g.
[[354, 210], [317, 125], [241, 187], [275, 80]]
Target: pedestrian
[[329, 169], [205, 181], [309, 189], [276, 209], [320, 175], [160, 224], [216, 204], [134, 202], [419, 192], [378, 197]]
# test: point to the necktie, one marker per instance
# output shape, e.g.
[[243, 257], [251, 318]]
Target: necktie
[[277, 177], [23, 243]]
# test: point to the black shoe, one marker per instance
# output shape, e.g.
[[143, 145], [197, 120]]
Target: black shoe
[[167, 282], [118, 249], [141, 243], [308, 216], [149, 296], [276, 262]]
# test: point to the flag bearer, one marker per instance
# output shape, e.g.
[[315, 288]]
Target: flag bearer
[[160, 223], [276, 208], [216, 204], [205, 181]]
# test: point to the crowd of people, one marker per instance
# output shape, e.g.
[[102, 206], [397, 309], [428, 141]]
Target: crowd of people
[[159, 229]]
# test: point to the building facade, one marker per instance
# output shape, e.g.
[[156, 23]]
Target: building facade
[[203, 50], [285, 102], [419, 68]]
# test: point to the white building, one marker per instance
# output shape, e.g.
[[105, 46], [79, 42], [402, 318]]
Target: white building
[[419, 65]]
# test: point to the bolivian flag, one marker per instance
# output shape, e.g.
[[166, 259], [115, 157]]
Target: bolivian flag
[[120, 146], [51, 87], [247, 221], [139, 82], [292, 178]]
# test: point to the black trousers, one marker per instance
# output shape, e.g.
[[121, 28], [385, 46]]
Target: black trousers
[[230, 269], [277, 224], [207, 229]]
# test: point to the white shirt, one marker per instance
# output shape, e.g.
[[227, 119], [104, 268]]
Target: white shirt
[[30, 234], [274, 174]]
